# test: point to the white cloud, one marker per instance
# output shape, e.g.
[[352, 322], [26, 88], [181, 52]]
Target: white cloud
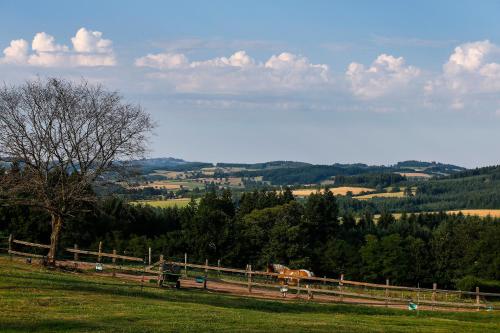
[[387, 74], [237, 73], [162, 61], [43, 42], [89, 49], [87, 41], [238, 59], [471, 76], [468, 57], [16, 52]]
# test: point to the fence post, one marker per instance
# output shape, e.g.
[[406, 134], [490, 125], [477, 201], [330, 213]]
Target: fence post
[[149, 256], [160, 271], [10, 246], [249, 268], [185, 264], [324, 277], [477, 298], [206, 274], [418, 293], [218, 267], [434, 287], [341, 284], [100, 251], [75, 255], [113, 260], [298, 286], [387, 293]]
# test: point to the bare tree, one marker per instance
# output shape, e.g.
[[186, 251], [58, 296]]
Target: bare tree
[[63, 137]]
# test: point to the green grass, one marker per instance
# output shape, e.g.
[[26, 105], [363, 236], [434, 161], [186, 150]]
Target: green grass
[[36, 299]]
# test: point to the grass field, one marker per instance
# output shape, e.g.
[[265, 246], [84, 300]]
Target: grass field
[[33, 299], [335, 190], [182, 202]]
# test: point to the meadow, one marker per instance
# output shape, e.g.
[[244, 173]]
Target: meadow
[[33, 298]]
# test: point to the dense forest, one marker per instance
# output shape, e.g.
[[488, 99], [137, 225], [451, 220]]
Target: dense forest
[[263, 227]]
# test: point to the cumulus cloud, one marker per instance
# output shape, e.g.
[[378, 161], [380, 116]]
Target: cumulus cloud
[[237, 73], [471, 75], [89, 49], [16, 52], [387, 74]]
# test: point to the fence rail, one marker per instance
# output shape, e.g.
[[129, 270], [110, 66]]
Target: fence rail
[[313, 284]]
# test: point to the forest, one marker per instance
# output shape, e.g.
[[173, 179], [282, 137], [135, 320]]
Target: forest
[[262, 227]]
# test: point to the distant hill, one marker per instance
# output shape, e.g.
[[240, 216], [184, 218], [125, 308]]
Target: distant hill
[[469, 189], [167, 163], [300, 173]]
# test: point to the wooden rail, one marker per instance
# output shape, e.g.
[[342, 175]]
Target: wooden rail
[[249, 273], [44, 246], [104, 254], [344, 282]]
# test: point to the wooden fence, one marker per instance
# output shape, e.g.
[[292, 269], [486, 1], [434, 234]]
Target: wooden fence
[[251, 278]]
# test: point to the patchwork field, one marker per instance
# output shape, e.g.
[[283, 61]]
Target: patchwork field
[[34, 299], [335, 190]]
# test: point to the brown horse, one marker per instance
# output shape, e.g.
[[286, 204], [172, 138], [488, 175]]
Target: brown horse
[[287, 276]]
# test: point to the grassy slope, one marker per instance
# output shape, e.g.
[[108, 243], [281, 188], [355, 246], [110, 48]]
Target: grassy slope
[[34, 299]]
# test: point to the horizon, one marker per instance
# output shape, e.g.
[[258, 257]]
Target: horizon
[[306, 162], [335, 82]]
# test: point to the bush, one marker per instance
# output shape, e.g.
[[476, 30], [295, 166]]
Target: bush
[[469, 283]]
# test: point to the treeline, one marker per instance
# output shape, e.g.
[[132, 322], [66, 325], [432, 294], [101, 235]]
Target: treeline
[[264, 227], [479, 188], [310, 174], [376, 180]]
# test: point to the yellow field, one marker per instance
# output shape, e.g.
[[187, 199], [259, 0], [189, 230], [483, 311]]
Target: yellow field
[[381, 195], [182, 202], [414, 174], [472, 212], [335, 190], [477, 212]]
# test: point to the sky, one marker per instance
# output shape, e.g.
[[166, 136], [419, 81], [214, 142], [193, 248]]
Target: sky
[[323, 82]]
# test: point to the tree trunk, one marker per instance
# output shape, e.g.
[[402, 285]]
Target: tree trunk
[[54, 237]]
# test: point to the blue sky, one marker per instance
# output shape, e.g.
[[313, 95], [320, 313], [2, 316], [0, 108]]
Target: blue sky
[[322, 82]]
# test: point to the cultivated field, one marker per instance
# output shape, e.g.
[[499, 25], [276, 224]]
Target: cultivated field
[[35, 299], [335, 190], [478, 212], [415, 175], [182, 202], [400, 194]]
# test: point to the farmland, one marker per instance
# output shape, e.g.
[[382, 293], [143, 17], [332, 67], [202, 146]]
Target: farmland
[[56, 301], [381, 195], [335, 190], [477, 212], [181, 202]]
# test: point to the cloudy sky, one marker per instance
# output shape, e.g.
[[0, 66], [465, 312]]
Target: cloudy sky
[[317, 81]]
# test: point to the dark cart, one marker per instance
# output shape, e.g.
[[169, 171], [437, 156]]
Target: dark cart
[[169, 273]]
